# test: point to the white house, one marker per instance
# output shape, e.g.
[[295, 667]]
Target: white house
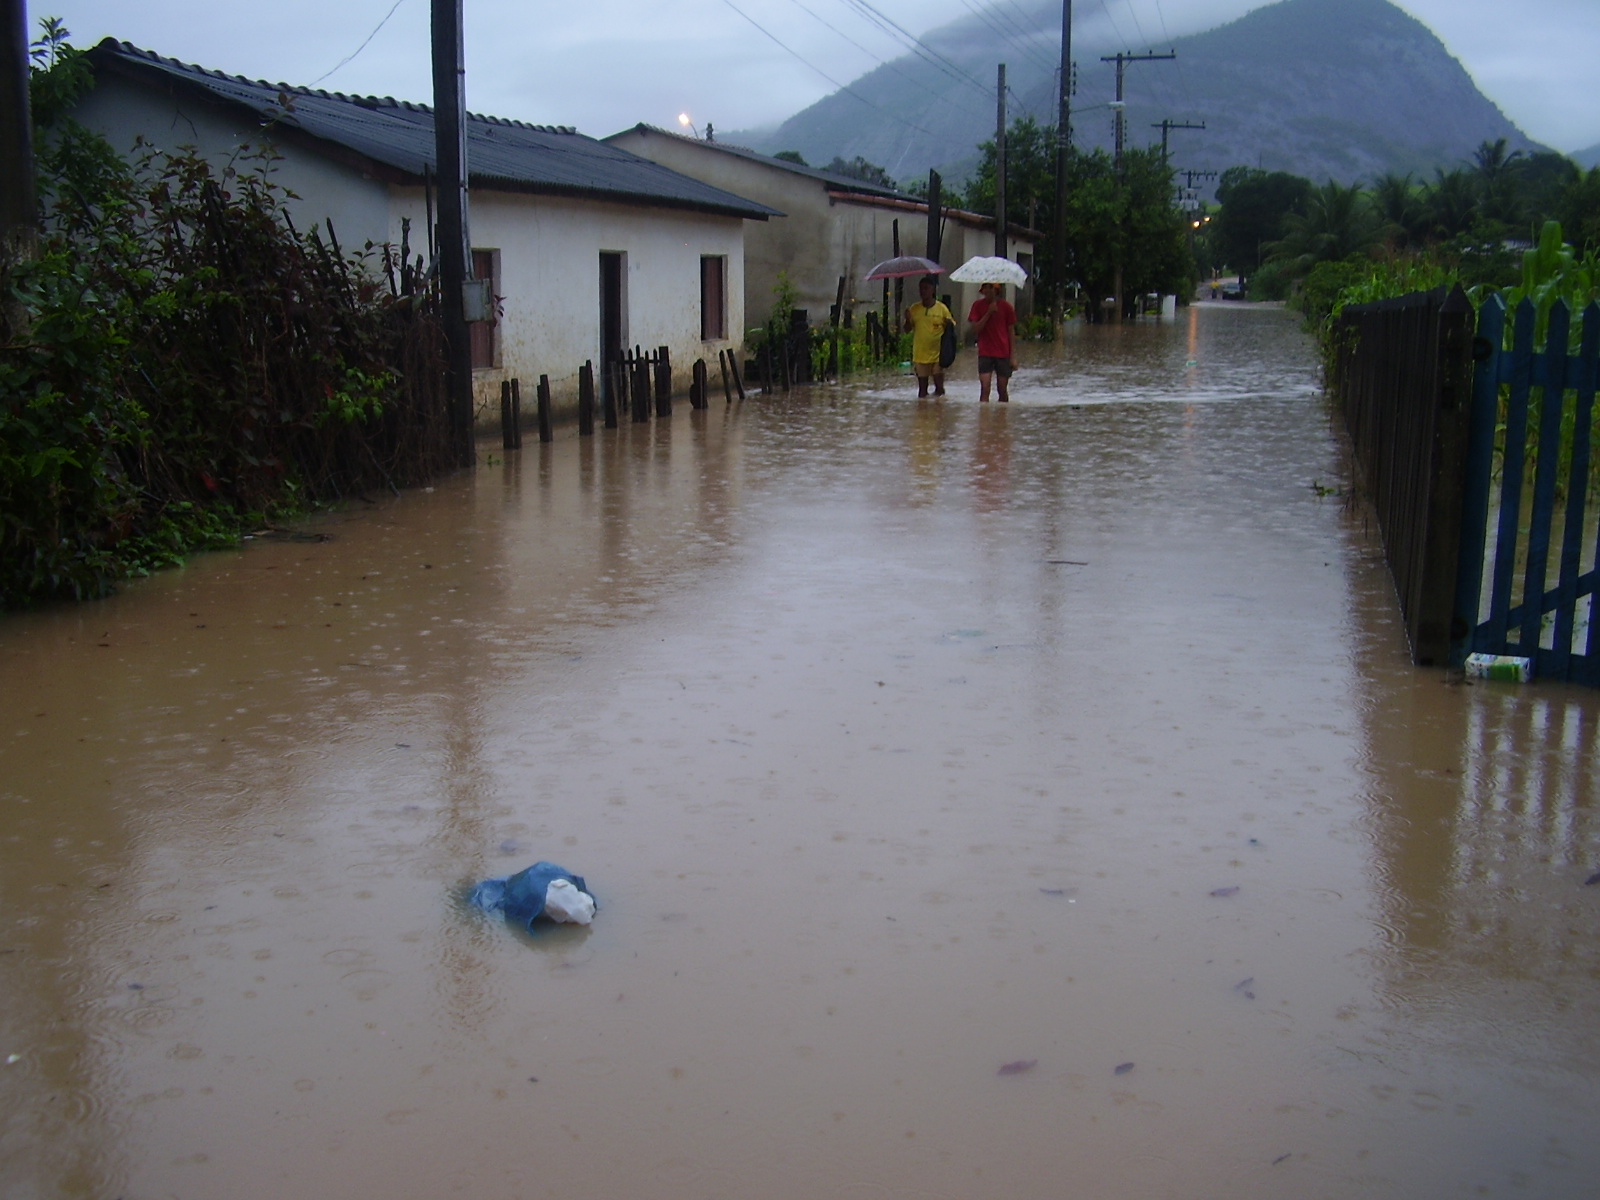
[[591, 249], [834, 225]]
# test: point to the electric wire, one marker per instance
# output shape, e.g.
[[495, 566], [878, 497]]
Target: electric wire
[[843, 87], [918, 47], [360, 48], [1014, 36]]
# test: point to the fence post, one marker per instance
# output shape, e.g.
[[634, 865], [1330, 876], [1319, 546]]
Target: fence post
[[700, 386], [663, 382], [1437, 628], [507, 437], [641, 388], [727, 385], [546, 434], [586, 399]]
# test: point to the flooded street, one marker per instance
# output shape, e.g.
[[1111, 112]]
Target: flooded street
[[1030, 800]]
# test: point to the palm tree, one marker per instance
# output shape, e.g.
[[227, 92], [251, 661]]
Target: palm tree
[[1497, 183], [1397, 205], [1450, 204], [1338, 222]]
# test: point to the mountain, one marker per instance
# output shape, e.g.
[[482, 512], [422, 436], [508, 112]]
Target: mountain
[[1327, 89], [1587, 158]]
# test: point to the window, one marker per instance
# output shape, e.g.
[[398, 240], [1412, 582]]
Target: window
[[483, 332], [713, 297]]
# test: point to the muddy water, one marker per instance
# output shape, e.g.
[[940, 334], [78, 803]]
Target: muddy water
[[932, 764]]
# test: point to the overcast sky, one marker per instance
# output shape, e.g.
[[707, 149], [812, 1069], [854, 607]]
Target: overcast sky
[[604, 65]]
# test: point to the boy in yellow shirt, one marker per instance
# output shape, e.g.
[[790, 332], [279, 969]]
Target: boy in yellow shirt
[[926, 322]]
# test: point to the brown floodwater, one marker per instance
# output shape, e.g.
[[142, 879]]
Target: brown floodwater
[[1007, 801]]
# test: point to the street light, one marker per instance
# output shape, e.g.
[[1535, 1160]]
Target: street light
[[683, 119]]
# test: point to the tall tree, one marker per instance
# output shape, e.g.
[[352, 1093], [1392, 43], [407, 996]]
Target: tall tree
[[1255, 205], [1131, 216], [1338, 223]]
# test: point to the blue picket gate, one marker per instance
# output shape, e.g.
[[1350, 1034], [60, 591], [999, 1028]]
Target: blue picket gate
[[1530, 539]]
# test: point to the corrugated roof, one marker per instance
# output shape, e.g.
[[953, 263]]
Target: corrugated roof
[[834, 180], [501, 154]]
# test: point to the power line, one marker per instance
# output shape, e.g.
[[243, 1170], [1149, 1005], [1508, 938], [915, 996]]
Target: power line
[[843, 87], [1014, 36], [869, 53], [918, 47], [363, 46]]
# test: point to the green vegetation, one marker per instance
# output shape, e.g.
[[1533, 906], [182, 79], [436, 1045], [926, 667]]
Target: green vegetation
[[1114, 216], [1287, 237], [178, 364]]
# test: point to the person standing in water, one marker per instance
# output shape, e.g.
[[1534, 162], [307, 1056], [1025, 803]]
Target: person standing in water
[[926, 322], [991, 319]]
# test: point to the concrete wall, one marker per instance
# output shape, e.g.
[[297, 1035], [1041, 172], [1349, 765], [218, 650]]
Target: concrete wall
[[548, 249], [548, 262], [823, 236], [357, 206]]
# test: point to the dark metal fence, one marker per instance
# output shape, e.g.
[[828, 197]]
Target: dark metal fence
[[1401, 374]]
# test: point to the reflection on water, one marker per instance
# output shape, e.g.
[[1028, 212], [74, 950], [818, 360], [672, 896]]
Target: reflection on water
[[901, 741]]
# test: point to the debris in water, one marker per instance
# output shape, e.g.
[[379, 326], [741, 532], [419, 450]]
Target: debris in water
[[1054, 891], [1244, 986], [1122, 1068], [1225, 891], [543, 890], [1592, 880], [1018, 1067], [1282, 1158]]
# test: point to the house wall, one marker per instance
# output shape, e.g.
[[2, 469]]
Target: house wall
[[548, 255], [806, 243], [356, 205], [548, 248], [823, 236]]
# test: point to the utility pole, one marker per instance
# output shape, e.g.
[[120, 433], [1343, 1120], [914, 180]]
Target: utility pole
[[1063, 154], [1000, 165], [1118, 106], [455, 260], [1164, 126], [1122, 60], [935, 217], [19, 217]]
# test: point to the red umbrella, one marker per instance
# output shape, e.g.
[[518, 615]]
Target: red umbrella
[[905, 267]]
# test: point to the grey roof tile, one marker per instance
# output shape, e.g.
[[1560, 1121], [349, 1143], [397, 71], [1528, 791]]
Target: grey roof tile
[[501, 154]]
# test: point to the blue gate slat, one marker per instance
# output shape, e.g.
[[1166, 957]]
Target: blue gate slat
[[1511, 471], [1546, 470], [1478, 475], [1577, 481]]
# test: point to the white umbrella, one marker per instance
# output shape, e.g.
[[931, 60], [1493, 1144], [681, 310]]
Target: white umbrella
[[983, 269]]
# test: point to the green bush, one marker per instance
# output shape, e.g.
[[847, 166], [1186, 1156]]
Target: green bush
[[178, 362]]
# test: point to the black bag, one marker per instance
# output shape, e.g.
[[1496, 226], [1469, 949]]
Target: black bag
[[948, 345]]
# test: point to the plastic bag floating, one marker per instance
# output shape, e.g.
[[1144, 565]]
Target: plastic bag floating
[[543, 890]]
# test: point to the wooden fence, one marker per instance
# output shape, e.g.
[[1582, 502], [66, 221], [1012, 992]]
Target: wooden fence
[[1401, 374], [1479, 462]]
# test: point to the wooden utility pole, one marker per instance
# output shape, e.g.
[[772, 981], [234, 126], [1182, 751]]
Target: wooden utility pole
[[935, 217], [1000, 165], [19, 216], [1122, 60], [1165, 126], [1118, 106], [1063, 154], [450, 149]]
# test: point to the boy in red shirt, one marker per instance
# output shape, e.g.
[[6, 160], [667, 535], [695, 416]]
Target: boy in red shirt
[[991, 319]]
